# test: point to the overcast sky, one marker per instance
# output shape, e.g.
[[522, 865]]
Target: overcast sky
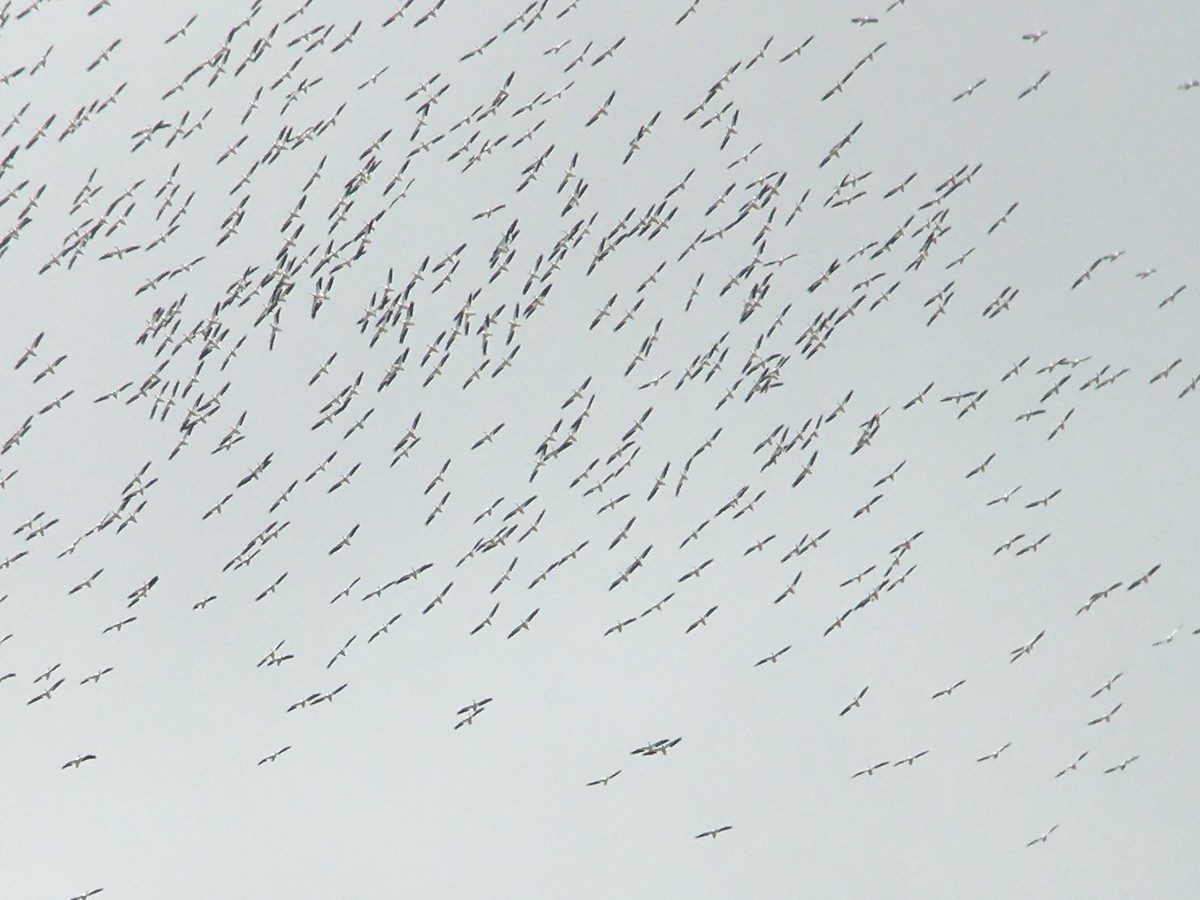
[[791, 408]]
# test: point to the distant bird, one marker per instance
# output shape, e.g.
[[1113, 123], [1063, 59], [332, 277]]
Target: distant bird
[[714, 832], [620, 626], [703, 620], [1025, 649], [1144, 579], [871, 770], [1107, 717], [117, 626], [345, 541], [605, 780], [524, 626], [1120, 767], [274, 658], [95, 677], [659, 747], [47, 693], [774, 657], [1033, 87], [995, 754], [982, 467], [30, 351], [78, 761], [946, 692], [969, 91], [1073, 766], [1107, 686], [1162, 642], [86, 583], [696, 571], [1042, 838], [270, 758], [341, 652], [487, 620], [855, 703]]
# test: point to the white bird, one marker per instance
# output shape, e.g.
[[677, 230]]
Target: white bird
[[856, 702], [995, 754], [270, 758], [774, 657], [1042, 838], [524, 626], [703, 620], [1107, 717], [1120, 767], [1026, 648]]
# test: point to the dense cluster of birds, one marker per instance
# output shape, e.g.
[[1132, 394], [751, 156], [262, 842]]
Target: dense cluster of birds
[[319, 390]]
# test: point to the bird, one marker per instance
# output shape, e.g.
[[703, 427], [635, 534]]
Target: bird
[[703, 620], [871, 770], [383, 629], [78, 761], [855, 703], [273, 658], [773, 657], [1143, 579], [1161, 642], [117, 626], [47, 693], [30, 351], [1073, 766], [982, 467], [839, 621], [602, 111], [659, 747], [694, 573], [87, 582], [271, 757], [345, 541], [1033, 87], [1107, 717], [620, 626], [969, 91], [712, 833], [1004, 498], [524, 625], [946, 692], [605, 780], [1044, 501], [1120, 767], [1107, 686], [1025, 649], [487, 620], [95, 677], [995, 754], [1042, 838], [341, 652]]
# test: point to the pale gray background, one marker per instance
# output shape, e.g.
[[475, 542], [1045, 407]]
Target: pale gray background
[[379, 795]]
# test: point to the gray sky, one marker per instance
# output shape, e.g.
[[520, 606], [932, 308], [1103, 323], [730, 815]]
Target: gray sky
[[734, 364]]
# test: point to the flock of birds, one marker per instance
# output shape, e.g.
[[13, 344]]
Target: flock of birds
[[304, 360]]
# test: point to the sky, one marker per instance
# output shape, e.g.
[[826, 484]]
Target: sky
[[632, 459]]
